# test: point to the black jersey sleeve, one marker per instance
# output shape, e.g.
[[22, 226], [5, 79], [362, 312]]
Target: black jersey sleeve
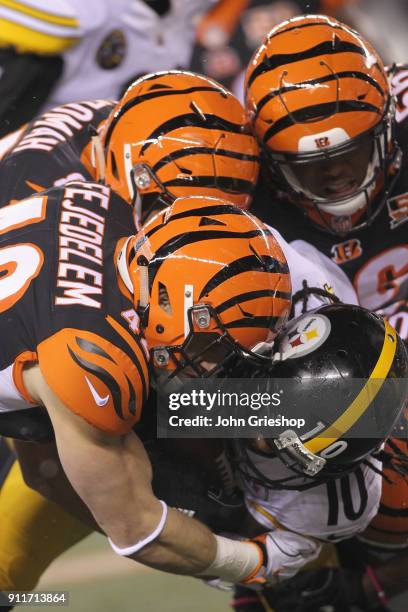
[[51, 150], [61, 304]]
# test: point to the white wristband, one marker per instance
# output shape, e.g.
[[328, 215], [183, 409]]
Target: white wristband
[[234, 560], [130, 550]]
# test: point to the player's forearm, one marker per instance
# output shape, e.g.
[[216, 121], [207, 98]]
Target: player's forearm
[[170, 553], [115, 483], [132, 513], [112, 475], [185, 546], [122, 501]]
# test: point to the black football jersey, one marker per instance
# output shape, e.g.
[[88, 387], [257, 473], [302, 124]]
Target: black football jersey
[[62, 305], [375, 258], [50, 150]]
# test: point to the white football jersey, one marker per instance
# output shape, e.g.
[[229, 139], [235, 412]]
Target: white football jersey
[[301, 521], [10, 397], [107, 42], [308, 265]]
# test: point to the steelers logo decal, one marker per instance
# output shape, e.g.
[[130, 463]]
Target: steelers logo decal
[[112, 50], [303, 336]]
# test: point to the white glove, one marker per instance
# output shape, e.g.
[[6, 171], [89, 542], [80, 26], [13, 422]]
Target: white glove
[[283, 554]]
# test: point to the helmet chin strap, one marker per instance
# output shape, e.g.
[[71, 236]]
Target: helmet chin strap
[[355, 202], [347, 207], [138, 207], [144, 286], [127, 162], [97, 156], [188, 303]]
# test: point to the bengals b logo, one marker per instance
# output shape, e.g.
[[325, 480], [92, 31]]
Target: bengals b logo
[[398, 210], [322, 142], [346, 251]]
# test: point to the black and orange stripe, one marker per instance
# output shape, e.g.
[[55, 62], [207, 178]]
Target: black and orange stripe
[[282, 60], [132, 344], [105, 364], [206, 211], [264, 263], [314, 70], [317, 112], [345, 74], [190, 132], [101, 373], [203, 151], [231, 260], [175, 244], [160, 90], [122, 404]]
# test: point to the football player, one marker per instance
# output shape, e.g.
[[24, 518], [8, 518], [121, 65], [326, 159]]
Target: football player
[[382, 360], [289, 490], [331, 123], [73, 345], [207, 148], [209, 218], [302, 501], [52, 52]]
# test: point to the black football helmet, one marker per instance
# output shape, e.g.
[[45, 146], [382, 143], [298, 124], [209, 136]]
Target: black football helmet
[[351, 367]]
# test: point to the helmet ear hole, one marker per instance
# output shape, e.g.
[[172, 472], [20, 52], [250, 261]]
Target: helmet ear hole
[[342, 353], [114, 167], [164, 299]]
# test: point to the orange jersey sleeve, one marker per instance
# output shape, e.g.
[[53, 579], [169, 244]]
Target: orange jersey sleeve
[[94, 378]]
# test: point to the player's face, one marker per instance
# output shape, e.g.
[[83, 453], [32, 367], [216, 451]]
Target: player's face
[[336, 177], [206, 351], [203, 355]]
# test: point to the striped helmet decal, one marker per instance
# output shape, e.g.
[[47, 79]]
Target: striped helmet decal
[[190, 132], [313, 74], [228, 256]]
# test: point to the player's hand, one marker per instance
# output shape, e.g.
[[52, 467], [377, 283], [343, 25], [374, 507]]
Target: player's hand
[[281, 555]]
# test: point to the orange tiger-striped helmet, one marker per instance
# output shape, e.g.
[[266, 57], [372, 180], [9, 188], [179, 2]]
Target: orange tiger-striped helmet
[[209, 281], [389, 528], [320, 103], [175, 134]]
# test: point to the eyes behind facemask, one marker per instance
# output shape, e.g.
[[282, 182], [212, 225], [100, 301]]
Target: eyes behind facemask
[[354, 168]]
